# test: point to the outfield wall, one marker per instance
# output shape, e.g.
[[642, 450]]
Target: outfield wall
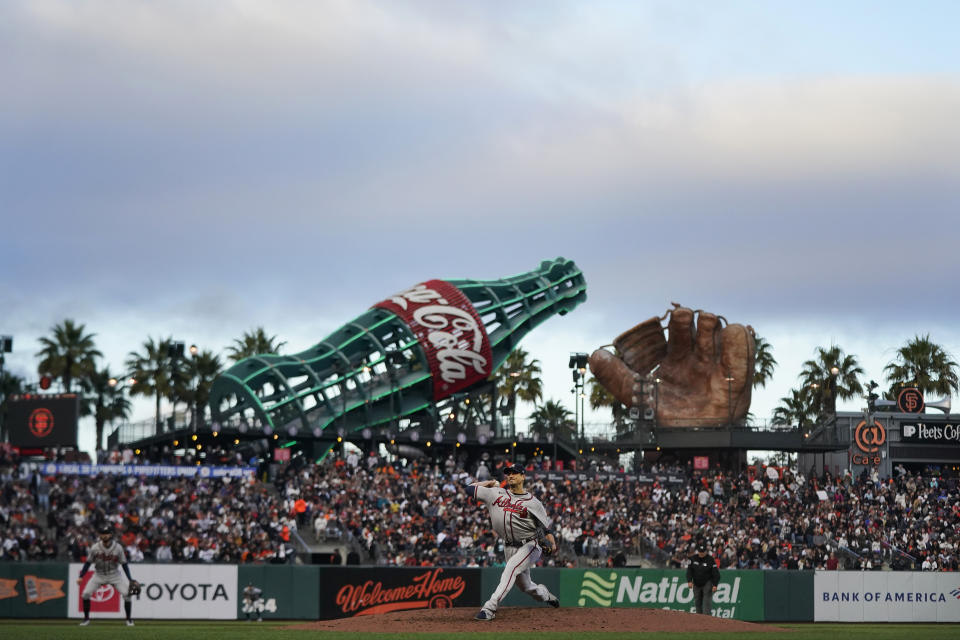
[[213, 592]]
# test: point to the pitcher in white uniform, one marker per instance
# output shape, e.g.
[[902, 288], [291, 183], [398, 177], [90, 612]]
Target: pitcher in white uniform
[[516, 516]]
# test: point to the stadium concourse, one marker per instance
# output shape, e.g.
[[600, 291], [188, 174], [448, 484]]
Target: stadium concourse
[[414, 514]]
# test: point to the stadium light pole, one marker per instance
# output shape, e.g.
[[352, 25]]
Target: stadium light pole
[[730, 380], [195, 417], [578, 362], [174, 354], [6, 346]]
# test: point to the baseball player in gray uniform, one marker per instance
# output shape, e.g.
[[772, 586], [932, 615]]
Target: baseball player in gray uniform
[[253, 601], [522, 522], [107, 556]]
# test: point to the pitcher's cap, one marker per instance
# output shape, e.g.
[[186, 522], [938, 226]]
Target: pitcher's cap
[[512, 469]]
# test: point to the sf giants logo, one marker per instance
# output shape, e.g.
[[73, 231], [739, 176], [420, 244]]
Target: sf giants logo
[[910, 400], [40, 422], [513, 507]]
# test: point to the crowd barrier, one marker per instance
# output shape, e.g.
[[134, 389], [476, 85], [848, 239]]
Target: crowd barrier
[[213, 592]]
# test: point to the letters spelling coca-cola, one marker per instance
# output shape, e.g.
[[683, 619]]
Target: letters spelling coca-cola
[[450, 332]]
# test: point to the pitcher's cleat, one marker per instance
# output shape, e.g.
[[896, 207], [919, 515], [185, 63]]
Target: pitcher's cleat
[[85, 622], [484, 615], [555, 603]]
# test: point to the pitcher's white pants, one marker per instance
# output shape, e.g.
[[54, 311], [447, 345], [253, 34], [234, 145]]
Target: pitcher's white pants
[[519, 561]]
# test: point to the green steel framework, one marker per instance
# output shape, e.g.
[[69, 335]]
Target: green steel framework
[[372, 371]]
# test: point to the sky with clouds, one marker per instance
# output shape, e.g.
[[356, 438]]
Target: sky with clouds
[[198, 169]]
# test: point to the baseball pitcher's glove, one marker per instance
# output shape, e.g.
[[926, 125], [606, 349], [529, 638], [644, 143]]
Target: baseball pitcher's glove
[[544, 543], [135, 588], [702, 376]]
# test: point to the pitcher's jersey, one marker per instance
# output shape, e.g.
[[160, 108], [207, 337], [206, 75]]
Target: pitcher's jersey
[[514, 517], [106, 560]]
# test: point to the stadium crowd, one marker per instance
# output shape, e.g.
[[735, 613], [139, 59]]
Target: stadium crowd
[[749, 520], [417, 514], [184, 519]]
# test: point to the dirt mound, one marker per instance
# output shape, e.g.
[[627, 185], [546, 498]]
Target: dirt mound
[[535, 619]]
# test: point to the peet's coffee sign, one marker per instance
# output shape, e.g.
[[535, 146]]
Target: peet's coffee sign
[[930, 432], [357, 592]]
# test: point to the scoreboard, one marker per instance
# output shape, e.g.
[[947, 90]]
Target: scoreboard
[[43, 420]]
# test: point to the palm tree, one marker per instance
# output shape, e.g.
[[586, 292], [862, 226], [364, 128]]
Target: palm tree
[[831, 375], [200, 372], [764, 362], [252, 343], [518, 378], [10, 384], [601, 397], [552, 418], [797, 408], [68, 354], [106, 403], [922, 364], [152, 370]]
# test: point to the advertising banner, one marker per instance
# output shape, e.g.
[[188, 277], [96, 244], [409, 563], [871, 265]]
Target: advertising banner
[[33, 590], [739, 594], [187, 591], [347, 592], [450, 332], [886, 596], [931, 431], [145, 470]]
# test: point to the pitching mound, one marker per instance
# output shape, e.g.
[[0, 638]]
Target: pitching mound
[[535, 619]]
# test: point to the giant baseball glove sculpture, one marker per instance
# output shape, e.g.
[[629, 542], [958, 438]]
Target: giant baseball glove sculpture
[[704, 369]]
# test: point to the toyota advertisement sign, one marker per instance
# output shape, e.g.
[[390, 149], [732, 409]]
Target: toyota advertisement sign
[[169, 591]]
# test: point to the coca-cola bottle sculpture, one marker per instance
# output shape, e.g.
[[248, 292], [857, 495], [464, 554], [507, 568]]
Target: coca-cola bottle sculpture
[[399, 358]]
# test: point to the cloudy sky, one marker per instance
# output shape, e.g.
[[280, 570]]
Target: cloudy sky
[[196, 169]]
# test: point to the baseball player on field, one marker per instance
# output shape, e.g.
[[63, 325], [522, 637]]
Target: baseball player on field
[[522, 522], [253, 601], [106, 555]]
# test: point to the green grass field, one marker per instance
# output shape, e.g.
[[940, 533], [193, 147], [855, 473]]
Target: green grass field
[[104, 629]]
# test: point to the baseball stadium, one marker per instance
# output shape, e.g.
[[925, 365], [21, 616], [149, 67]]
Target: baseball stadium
[[479, 319], [378, 484]]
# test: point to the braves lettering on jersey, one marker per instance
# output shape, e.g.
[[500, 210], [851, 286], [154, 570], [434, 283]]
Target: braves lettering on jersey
[[515, 517], [106, 561]]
